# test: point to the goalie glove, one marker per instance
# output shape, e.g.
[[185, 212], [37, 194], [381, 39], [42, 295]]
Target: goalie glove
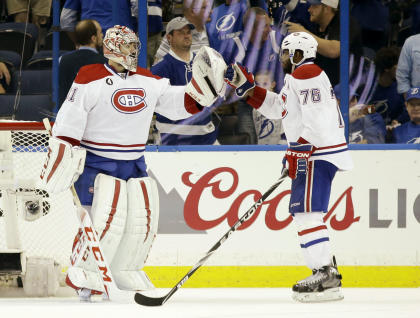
[[239, 78], [63, 165], [207, 82], [296, 158]]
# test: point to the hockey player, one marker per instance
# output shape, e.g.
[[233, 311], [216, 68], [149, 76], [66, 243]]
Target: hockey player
[[317, 148], [101, 130]]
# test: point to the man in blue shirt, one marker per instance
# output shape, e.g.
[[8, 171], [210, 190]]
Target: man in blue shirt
[[408, 70], [99, 10], [409, 133], [177, 66]]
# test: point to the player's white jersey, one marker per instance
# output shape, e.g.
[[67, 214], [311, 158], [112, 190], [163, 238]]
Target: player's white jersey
[[309, 110], [111, 114]]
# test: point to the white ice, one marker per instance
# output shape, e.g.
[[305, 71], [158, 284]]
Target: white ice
[[227, 303]]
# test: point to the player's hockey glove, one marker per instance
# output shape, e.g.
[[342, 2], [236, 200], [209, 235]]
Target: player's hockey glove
[[296, 158], [238, 77]]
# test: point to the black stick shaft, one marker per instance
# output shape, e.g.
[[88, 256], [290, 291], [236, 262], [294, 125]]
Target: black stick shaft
[[152, 301]]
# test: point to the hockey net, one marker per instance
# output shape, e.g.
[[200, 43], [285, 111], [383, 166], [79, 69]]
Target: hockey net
[[32, 221]]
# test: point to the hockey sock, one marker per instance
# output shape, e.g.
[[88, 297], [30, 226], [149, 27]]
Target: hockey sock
[[314, 239]]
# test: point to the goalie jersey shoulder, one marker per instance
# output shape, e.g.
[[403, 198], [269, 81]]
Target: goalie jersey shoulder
[[91, 73]]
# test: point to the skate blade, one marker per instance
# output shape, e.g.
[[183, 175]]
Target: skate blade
[[331, 294]]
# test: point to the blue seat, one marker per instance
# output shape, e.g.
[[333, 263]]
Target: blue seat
[[29, 107], [33, 82], [14, 35], [42, 60], [11, 58], [66, 44]]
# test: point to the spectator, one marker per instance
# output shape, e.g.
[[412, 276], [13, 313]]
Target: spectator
[[4, 78], [256, 49], [154, 29], [408, 70], [365, 125], [154, 26], [375, 31], [197, 12], [177, 67], [409, 133], [226, 23], [325, 14], [293, 11], [385, 96], [40, 10], [88, 35], [269, 131], [99, 10]]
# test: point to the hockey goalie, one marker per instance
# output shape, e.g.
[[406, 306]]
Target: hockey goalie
[[98, 143]]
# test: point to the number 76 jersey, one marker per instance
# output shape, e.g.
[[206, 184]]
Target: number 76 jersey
[[309, 110]]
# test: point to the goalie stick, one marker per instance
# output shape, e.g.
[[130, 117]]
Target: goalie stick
[[144, 300], [89, 240]]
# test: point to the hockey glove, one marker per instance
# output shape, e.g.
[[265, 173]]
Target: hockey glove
[[238, 77], [296, 158]]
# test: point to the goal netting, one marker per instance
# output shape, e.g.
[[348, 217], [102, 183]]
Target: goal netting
[[32, 220]]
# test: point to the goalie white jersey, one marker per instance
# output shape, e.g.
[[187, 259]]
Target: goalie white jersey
[[110, 113], [309, 109]]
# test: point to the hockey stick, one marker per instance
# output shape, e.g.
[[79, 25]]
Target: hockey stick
[[144, 300], [89, 240]]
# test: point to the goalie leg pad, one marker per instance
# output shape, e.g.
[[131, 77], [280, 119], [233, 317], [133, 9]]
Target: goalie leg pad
[[108, 213], [63, 165], [139, 234]]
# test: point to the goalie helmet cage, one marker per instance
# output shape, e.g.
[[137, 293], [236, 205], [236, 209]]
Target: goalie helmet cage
[[31, 220]]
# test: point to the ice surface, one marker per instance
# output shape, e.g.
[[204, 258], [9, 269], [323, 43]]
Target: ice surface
[[227, 303]]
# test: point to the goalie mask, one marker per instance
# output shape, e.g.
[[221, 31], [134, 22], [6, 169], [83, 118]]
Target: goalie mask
[[300, 41], [122, 46]]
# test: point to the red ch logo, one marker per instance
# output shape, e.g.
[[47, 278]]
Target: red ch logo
[[129, 101]]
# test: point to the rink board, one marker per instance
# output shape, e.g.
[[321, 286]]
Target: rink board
[[373, 218]]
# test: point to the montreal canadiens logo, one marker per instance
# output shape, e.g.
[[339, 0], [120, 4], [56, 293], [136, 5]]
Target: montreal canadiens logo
[[129, 100]]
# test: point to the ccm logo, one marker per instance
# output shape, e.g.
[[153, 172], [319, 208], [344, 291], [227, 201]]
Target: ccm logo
[[297, 154], [129, 101]]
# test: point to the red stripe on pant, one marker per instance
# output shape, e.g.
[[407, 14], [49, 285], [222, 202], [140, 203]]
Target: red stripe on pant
[[309, 187]]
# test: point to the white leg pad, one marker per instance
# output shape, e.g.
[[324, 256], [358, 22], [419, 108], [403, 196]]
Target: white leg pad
[[108, 213], [139, 234]]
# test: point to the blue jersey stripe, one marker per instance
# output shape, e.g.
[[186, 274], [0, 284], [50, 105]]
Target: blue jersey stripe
[[112, 150]]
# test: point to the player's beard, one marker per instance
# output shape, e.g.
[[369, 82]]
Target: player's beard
[[287, 66]]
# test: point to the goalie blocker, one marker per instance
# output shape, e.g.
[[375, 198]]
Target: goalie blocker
[[63, 165], [207, 82]]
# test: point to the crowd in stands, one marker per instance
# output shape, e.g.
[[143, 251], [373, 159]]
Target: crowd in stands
[[384, 59]]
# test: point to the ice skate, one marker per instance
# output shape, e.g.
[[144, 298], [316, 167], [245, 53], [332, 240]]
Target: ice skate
[[323, 285]]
